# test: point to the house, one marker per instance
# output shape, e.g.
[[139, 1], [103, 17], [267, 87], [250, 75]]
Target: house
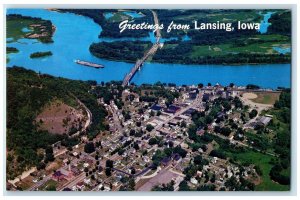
[[67, 189], [68, 174], [199, 173], [193, 95], [205, 97], [265, 120], [220, 116], [189, 112], [80, 185], [176, 156], [172, 109], [87, 181], [200, 132], [156, 107], [165, 161], [194, 181], [58, 175]]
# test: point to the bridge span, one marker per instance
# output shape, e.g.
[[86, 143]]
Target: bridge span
[[139, 63]]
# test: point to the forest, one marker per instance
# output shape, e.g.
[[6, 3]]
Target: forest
[[123, 51]]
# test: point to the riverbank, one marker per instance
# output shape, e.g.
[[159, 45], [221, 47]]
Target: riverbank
[[130, 51]]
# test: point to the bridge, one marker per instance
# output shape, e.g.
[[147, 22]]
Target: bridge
[[139, 63]]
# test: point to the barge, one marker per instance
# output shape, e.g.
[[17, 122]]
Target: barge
[[89, 64]]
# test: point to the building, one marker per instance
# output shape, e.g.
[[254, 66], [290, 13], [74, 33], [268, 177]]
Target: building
[[265, 120]]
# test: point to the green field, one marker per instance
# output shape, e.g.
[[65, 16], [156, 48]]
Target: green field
[[266, 98], [262, 44], [48, 186], [118, 17], [263, 161]]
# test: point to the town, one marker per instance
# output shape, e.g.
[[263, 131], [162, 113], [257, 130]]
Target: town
[[163, 137]]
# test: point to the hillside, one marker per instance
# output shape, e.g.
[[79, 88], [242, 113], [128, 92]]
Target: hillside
[[27, 95]]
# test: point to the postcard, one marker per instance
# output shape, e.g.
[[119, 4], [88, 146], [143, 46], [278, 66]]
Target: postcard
[[148, 99]]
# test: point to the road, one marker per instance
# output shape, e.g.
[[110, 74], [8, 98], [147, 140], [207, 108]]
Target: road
[[115, 115], [73, 182], [89, 117], [158, 34]]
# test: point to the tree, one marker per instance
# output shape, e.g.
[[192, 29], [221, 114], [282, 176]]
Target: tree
[[49, 154], [180, 151], [183, 186], [198, 160], [149, 127], [109, 164], [153, 141], [132, 170], [158, 113], [89, 147], [253, 113], [131, 184], [138, 124], [152, 113], [200, 85], [41, 165], [51, 188], [108, 171], [183, 124]]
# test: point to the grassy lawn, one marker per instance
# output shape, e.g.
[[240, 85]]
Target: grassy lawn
[[49, 184], [222, 49], [262, 161], [266, 98]]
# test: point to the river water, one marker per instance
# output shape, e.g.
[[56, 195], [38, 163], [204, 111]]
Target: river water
[[75, 33]]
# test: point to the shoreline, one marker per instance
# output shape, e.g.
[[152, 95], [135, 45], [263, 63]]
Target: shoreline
[[189, 64], [262, 88]]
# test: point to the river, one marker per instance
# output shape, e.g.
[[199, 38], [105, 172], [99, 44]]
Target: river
[[75, 33]]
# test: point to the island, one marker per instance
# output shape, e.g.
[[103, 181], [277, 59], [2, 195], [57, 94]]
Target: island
[[19, 27], [11, 50], [41, 54]]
